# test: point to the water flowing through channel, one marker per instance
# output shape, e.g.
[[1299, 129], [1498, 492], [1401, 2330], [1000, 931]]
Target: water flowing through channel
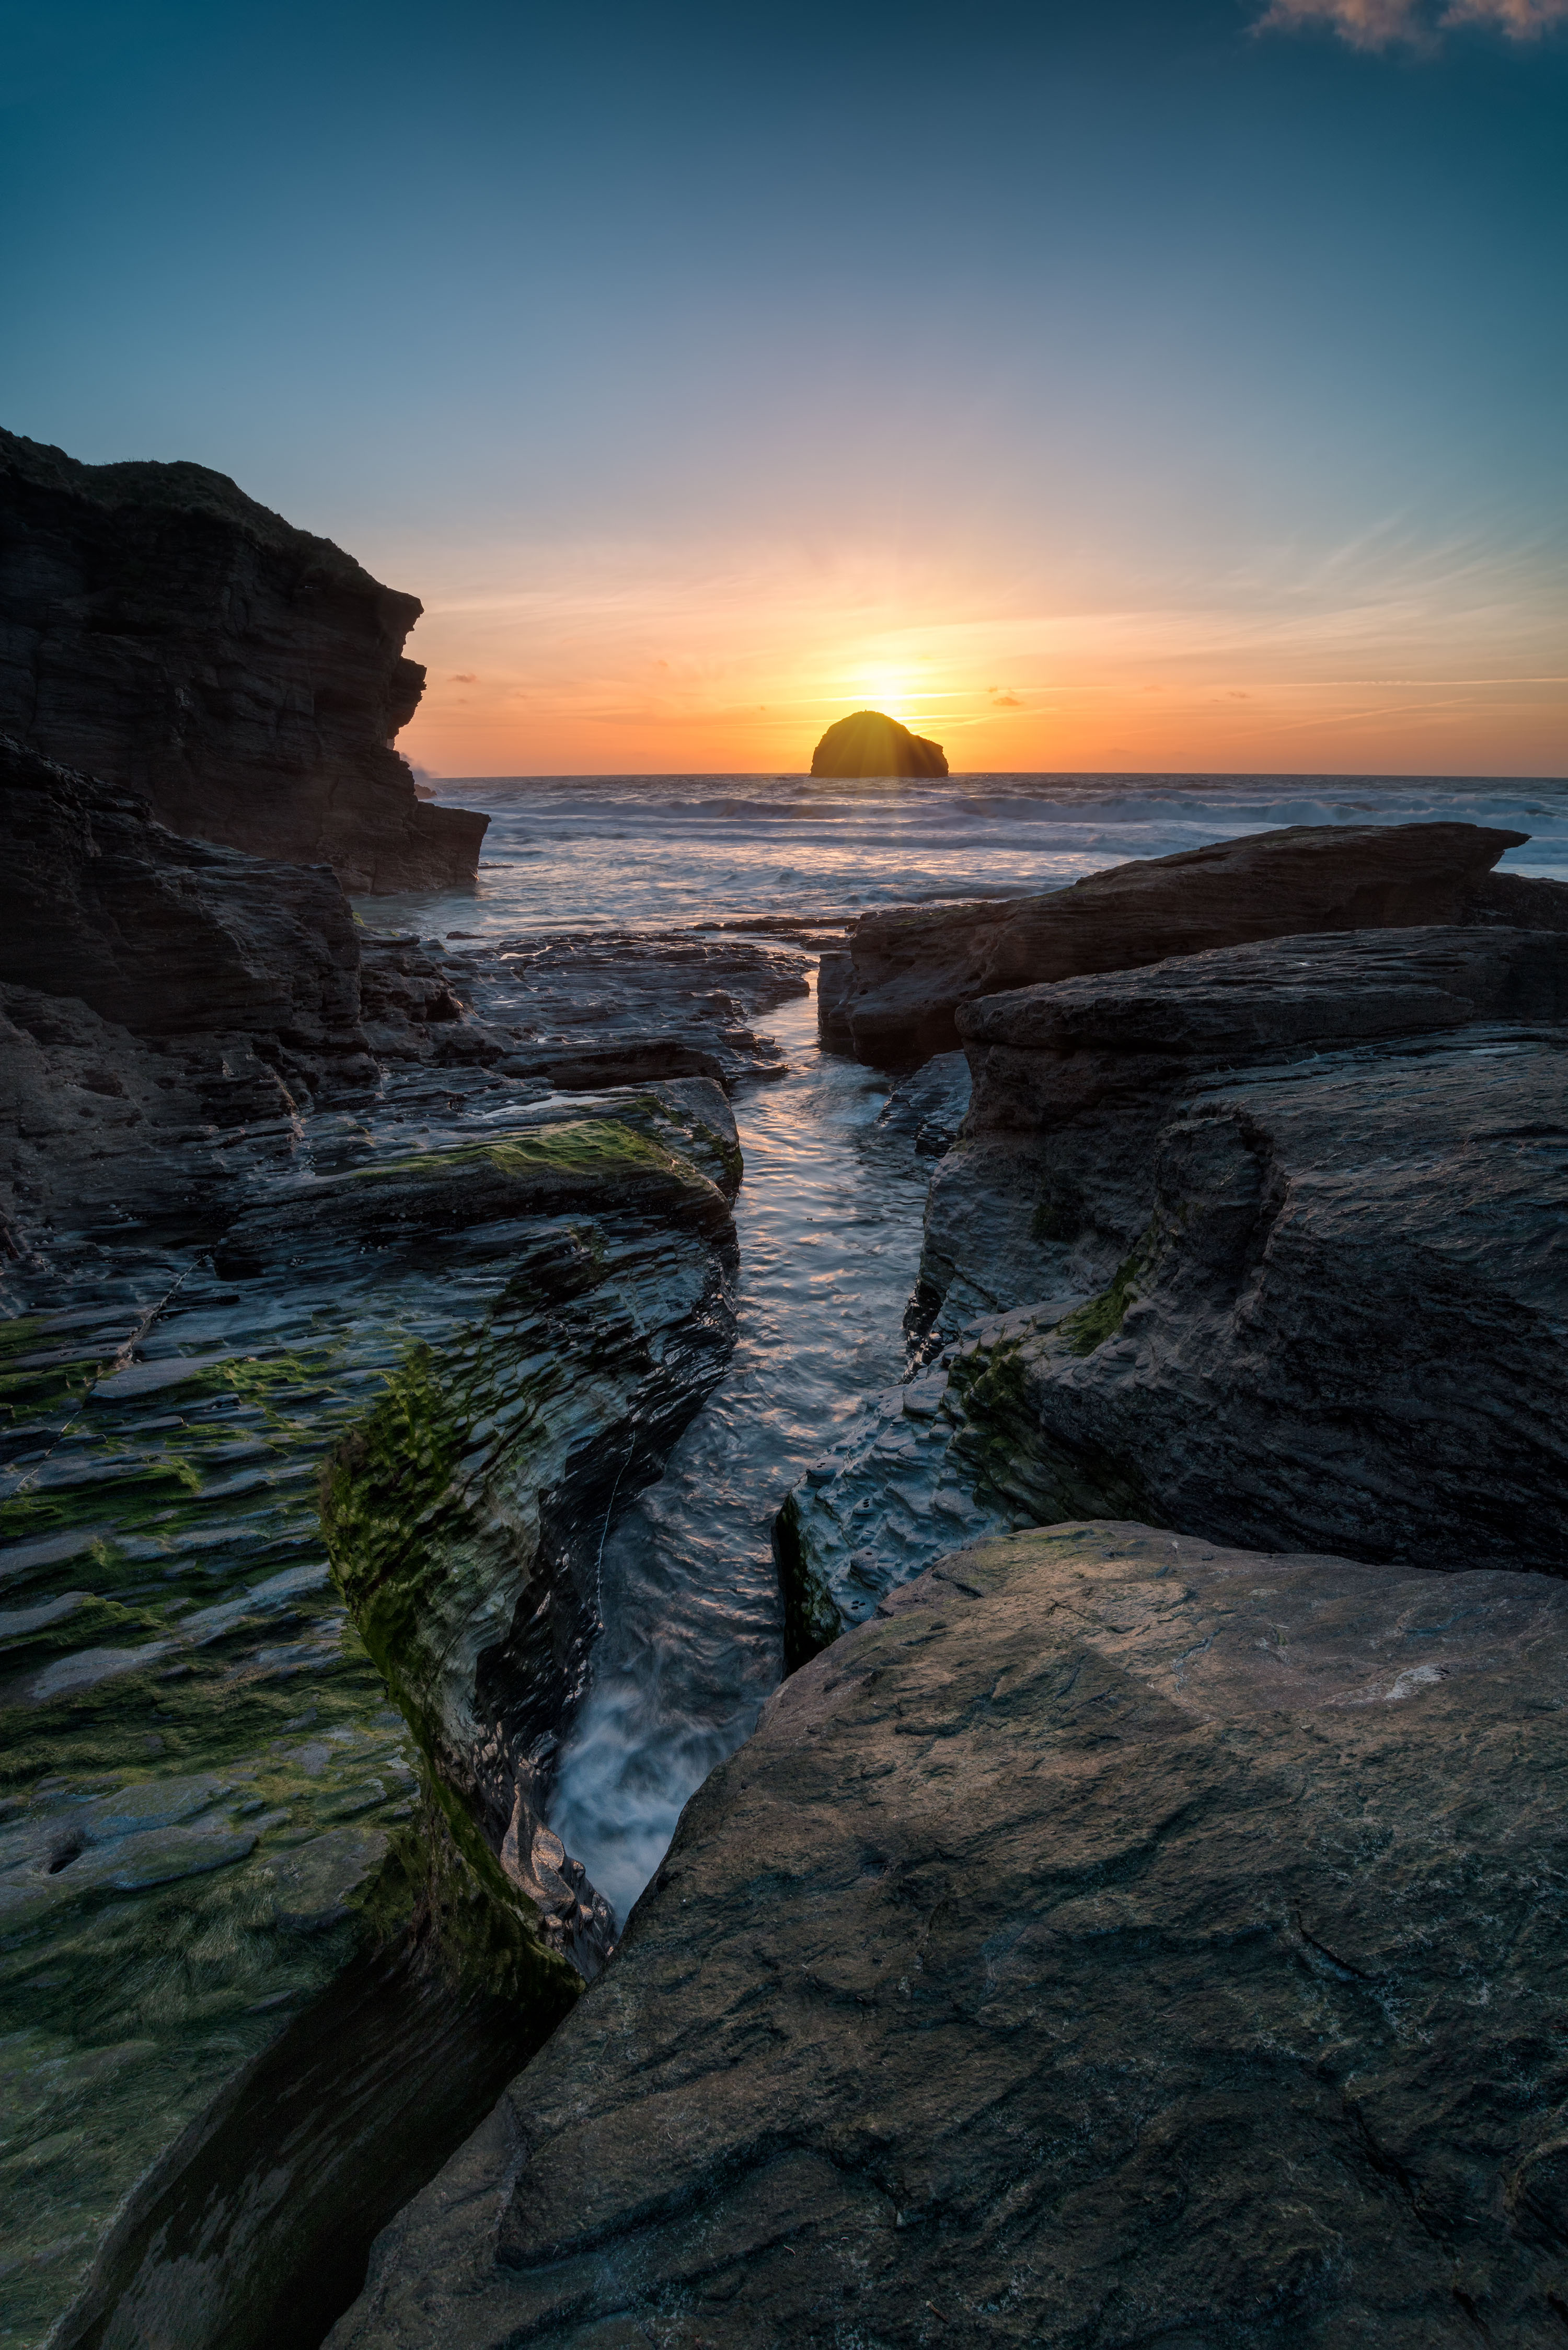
[[210, 1767], [829, 1219]]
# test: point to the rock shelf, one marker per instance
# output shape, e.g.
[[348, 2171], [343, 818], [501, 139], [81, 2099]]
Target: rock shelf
[[1118, 1936]]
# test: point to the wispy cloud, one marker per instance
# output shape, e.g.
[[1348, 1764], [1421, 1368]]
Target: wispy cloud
[[1381, 24]]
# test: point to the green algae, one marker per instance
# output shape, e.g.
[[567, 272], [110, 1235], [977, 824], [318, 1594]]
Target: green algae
[[40, 1380], [1090, 1325], [581, 1146], [389, 1481], [125, 2010], [442, 1889]]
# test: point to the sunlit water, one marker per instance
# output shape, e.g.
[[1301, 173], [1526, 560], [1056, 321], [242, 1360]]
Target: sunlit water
[[830, 1214], [573, 852]]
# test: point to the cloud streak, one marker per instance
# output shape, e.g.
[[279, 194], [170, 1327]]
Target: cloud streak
[[1382, 24]]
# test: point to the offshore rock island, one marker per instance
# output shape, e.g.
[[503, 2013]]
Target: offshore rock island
[[1136, 1915], [867, 743]]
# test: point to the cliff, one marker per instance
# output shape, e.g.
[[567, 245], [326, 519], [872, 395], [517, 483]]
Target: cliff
[[893, 1000], [162, 631], [869, 744]]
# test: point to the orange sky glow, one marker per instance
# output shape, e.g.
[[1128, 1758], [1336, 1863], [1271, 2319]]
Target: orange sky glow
[[620, 661]]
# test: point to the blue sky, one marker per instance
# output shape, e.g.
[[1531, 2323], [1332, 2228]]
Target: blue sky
[[1116, 386]]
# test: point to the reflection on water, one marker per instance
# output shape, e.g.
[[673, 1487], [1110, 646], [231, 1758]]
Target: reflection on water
[[829, 1218]]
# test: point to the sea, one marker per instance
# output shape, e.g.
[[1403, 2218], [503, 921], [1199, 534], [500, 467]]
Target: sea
[[830, 1212]]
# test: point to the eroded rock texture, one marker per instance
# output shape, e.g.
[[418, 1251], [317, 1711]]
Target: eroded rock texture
[[894, 998], [466, 1515], [1051, 1181], [1119, 1940], [160, 630], [220, 1845], [219, 1842], [1266, 1244]]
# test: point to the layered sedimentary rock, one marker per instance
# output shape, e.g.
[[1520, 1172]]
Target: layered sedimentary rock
[[1052, 1182], [466, 1516], [1266, 1244], [1119, 1938], [893, 1000], [162, 631], [166, 936], [867, 743], [929, 1106], [219, 1841], [161, 1001], [235, 1223], [171, 1012]]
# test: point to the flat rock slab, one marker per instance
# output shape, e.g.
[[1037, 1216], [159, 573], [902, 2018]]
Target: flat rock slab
[[1118, 1940], [894, 998]]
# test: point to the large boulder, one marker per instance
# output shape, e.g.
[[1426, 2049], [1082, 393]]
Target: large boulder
[[1053, 1179], [160, 628], [867, 743], [1264, 1244], [1120, 1940], [893, 999]]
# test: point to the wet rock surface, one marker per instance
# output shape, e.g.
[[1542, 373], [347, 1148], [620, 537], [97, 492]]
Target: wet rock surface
[[1075, 1084], [893, 999], [1315, 1297], [160, 630], [172, 1013], [931, 1105], [207, 1298], [1118, 1938]]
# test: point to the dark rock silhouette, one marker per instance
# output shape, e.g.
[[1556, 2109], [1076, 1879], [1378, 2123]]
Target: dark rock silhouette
[[1058, 1957], [870, 744], [162, 631], [893, 999]]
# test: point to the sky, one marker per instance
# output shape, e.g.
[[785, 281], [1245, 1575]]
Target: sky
[[1128, 385]]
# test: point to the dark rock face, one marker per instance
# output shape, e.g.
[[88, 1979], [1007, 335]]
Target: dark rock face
[[161, 1000], [160, 630], [219, 1842], [1264, 1244], [870, 744], [1075, 1084], [582, 1003], [931, 1105], [466, 1515], [164, 936], [1345, 1321], [896, 1000], [1119, 1938]]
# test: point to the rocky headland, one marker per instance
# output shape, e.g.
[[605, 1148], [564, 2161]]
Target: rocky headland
[[162, 631], [867, 743]]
